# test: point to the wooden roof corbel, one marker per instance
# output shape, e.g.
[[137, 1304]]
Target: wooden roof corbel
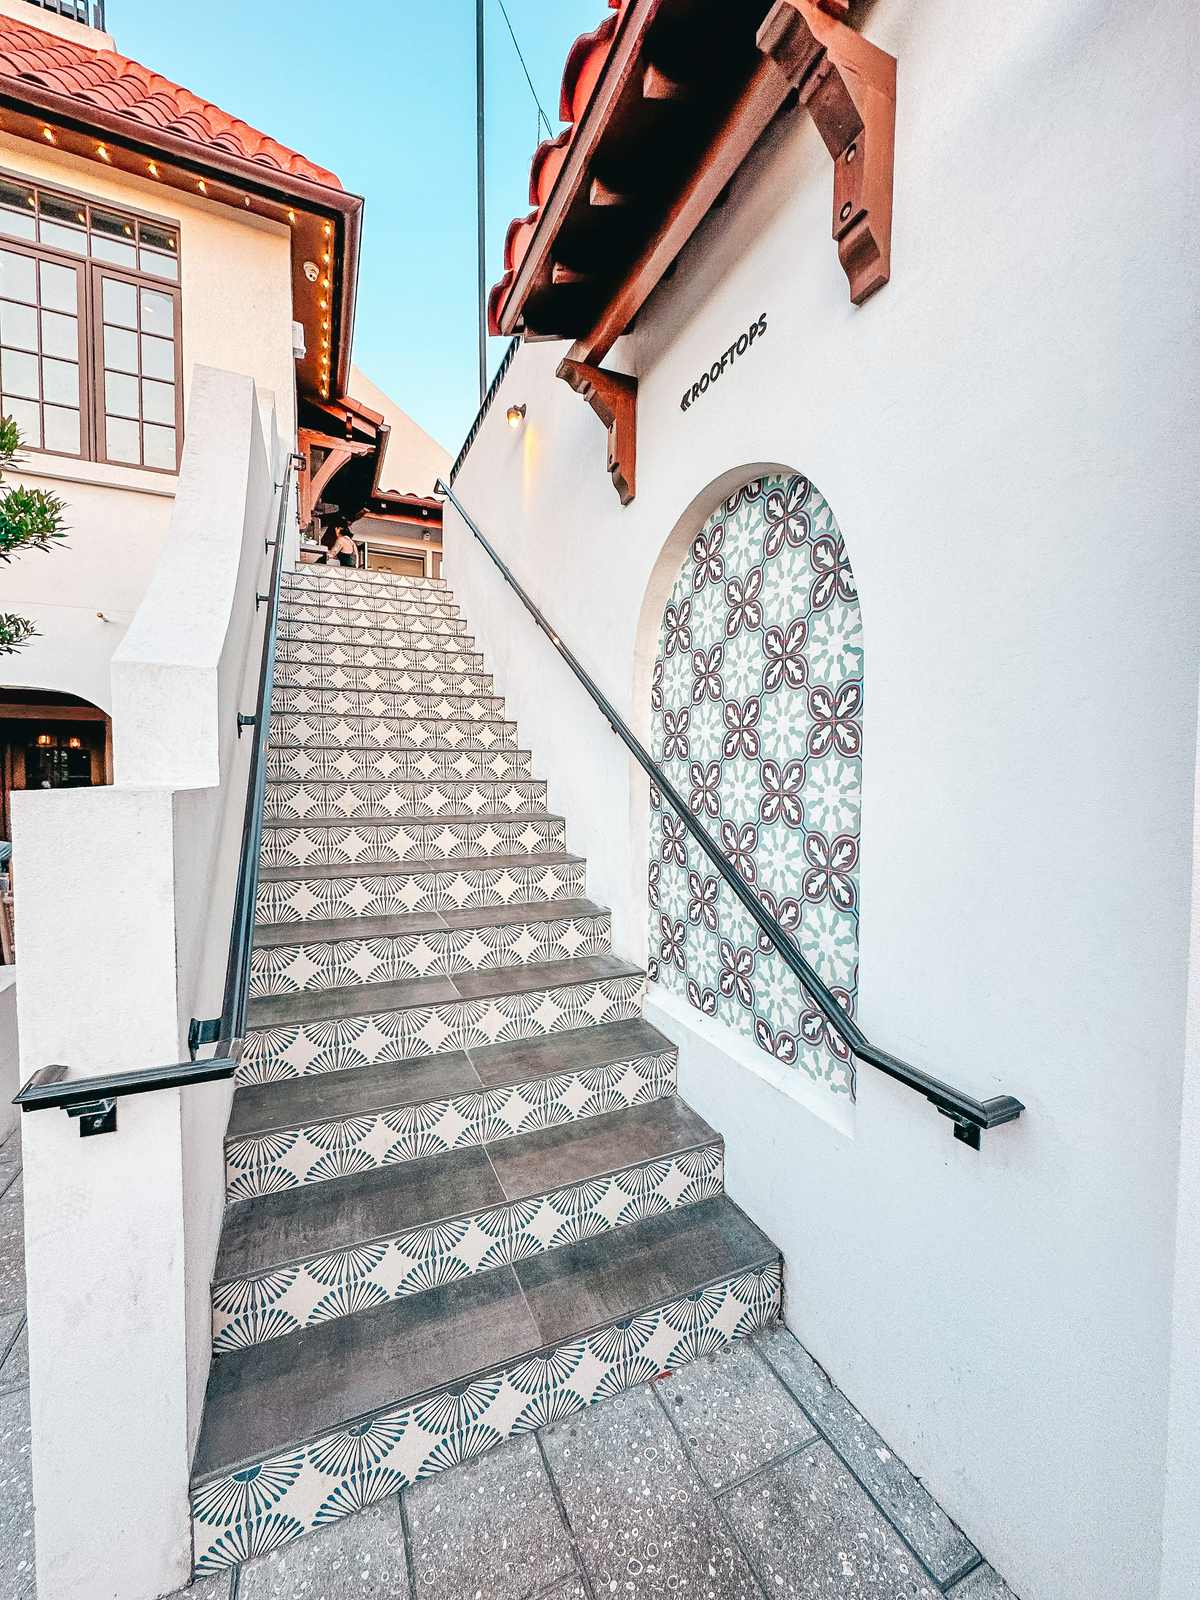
[[848, 86], [613, 397]]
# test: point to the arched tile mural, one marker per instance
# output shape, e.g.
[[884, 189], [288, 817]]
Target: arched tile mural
[[757, 720]]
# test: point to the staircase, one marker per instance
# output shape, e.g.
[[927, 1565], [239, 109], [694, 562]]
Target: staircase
[[464, 1198]]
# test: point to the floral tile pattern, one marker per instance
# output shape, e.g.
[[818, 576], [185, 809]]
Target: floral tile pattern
[[245, 1513], [282, 1159], [757, 719], [391, 958], [336, 1043], [251, 1310], [302, 899]]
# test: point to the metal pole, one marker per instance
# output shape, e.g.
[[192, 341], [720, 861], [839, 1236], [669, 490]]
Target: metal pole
[[480, 171]]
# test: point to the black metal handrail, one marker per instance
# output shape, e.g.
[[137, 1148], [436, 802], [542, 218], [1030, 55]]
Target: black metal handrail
[[969, 1115], [94, 1100], [229, 1029], [485, 405]]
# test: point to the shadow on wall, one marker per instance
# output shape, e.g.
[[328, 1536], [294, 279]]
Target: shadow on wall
[[750, 680]]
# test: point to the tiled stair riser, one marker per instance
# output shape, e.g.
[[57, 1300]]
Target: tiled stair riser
[[338, 768], [435, 613], [412, 840], [320, 678], [324, 579], [406, 733], [253, 1310], [392, 958], [302, 899], [356, 583], [409, 633], [347, 607], [270, 1162], [421, 658], [415, 797], [340, 1043], [384, 702], [390, 706], [245, 1513]]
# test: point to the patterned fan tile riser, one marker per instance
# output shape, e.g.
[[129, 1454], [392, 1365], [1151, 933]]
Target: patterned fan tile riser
[[321, 899], [267, 1163], [414, 635], [385, 703], [291, 652], [342, 963], [412, 841], [245, 1513], [337, 767], [352, 584], [250, 1311], [342, 1043], [347, 607], [437, 615], [394, 733], [410, 619], [363, 582], [420, 796], [294, 675]]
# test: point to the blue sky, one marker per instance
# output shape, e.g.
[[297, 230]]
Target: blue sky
[[383, 93]]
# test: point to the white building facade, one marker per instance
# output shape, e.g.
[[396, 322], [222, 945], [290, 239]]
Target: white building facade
[[1019, 1322]]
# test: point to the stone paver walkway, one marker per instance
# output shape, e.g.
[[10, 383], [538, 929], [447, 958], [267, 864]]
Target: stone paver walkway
[[747, 1476]]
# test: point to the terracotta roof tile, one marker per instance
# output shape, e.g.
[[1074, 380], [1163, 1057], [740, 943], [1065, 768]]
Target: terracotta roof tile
[[584, 64], [115, 83]]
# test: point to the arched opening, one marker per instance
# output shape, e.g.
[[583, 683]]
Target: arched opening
[[756, 701]]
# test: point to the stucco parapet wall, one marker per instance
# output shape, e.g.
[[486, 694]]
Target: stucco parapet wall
[[166, 672]]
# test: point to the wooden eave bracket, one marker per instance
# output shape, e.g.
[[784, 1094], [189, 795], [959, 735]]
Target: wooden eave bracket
[[848, 86], [613, 397]]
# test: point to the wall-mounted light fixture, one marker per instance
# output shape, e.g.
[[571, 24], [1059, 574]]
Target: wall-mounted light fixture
[[516, 415], [45, 740]]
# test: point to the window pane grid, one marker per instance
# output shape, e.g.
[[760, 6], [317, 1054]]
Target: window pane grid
[[83, 229], [138, 351], [40, 360], [114, 394]]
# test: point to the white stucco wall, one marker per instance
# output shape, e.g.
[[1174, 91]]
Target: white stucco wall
[[1005, 436], [236, 298], [121, 1231]]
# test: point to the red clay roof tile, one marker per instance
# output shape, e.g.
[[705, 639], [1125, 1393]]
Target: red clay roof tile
[[112, 81]]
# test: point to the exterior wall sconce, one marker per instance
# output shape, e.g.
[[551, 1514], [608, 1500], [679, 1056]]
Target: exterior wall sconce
[[516, 415], [45, 740]]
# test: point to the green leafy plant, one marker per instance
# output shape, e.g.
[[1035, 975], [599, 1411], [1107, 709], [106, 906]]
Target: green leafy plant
[[30, 519]]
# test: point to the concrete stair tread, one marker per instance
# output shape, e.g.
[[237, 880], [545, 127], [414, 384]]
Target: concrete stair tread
[[288, 1391], [370, 999], [314, 1219], [406, 819], [383, 869], [326, 1096], [271, 935]]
